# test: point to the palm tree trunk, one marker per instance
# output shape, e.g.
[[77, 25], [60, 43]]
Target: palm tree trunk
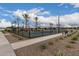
[[18, 25], [58, 25], [22, 28], [26, 24], [36, 24]]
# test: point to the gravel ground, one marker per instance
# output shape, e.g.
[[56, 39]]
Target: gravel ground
[[54, 47], [13, 37]]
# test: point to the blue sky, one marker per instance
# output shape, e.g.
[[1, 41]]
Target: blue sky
[[52, 9]]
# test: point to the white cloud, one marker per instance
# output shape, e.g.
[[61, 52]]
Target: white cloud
[[71, 18], [4, 23], [61, 4], [35, 10], [65, 20], [31, 13], [45, 13], [18, 13], [75, 5]]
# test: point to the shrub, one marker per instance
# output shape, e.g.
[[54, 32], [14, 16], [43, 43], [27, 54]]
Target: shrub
[[61, 38], [75, 38], [43, 47], [59, 53], [68, 46], [3, 31], [73, 42], [50, 43], [19, 38], [56, 39]]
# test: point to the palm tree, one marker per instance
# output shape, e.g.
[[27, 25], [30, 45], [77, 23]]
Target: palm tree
[[14, 26], [26, 19], [58, 24], [51, 24], [22, 27], [36, 20], [0, 21]]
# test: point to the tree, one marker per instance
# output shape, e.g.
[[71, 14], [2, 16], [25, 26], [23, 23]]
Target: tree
[[26, 19], [18, 25], [22, 27], [36, 20], [58, 24], [14, 22], [14, 26], [51, 24], [0, 21]]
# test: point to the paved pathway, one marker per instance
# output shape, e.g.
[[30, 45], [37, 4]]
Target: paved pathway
[[5, 47], [24, 43]]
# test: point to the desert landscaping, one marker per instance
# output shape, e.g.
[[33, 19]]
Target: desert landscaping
[[39, 29], [58, 46]]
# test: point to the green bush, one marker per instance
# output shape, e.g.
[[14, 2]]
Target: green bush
[[75, 38], [73, 42], [61, 38], [19, 38], [68, 46], [43, 47], [50, 43], [3, 31]]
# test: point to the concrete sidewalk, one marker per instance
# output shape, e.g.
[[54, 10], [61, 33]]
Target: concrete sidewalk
[[5, 47], [24, 43]]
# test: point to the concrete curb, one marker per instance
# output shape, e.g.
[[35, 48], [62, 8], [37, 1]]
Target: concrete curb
[[5, 47], [24, 43]]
